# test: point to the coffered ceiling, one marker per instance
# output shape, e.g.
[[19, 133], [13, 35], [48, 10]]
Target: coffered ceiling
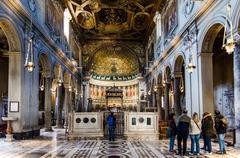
[[113, 19]]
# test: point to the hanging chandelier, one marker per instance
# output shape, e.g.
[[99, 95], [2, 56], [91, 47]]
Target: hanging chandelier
[[228, 42], [181, 85], [42, 84], [29, 63], [190, 65]]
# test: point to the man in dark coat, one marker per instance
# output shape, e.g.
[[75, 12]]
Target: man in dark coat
[[183, 124], [172, 129], [221, 129]]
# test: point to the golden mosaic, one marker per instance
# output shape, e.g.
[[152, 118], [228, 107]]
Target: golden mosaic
[[114, 64]]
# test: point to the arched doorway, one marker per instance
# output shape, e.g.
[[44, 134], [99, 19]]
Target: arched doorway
[[4, 66], [217, 74], [10, 69], [179, 85], [44, 92]]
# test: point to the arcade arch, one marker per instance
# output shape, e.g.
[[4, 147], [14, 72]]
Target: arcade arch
[[217, 73], [10, 66]]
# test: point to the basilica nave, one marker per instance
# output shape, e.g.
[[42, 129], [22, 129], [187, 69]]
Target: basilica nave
[[65, 65]]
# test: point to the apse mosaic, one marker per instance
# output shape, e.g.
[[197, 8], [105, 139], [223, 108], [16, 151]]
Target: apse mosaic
[[114, 64]]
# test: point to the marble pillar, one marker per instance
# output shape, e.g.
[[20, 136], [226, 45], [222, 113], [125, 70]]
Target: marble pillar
[[166, 100], [66, 107], [236, 67], [59, 104], [177, 105], [48, 95]]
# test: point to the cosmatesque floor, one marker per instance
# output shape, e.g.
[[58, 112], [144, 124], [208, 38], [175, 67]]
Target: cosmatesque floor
[[54, 145]]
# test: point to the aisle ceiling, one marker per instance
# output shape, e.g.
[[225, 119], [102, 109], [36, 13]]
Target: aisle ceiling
[[113, 19]]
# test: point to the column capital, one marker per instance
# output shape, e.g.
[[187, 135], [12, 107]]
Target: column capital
[[177, 74], [14, 53], [46, 74], [206, 54]]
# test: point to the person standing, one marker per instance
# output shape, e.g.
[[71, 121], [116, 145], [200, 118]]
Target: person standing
[[172, 129], [207, 132], [194, 132], [221, 129], [182, 132], [111, 120]]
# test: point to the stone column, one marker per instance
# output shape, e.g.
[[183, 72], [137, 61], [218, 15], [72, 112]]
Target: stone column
[[158, 100], [59, 104], [166, 100], [66, 107], [177, 106], [15, 89], [206, 80], [236, 67], [48, 97]]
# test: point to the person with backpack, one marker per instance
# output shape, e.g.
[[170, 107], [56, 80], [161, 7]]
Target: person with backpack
[[111, 120], [194, 132], [207, 132], [221, 129], [172, 131], [183, 124]]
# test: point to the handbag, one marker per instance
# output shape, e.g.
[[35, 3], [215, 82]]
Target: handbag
[[197, 125]]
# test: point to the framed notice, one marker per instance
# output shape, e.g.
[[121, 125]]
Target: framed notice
[[13, 106]]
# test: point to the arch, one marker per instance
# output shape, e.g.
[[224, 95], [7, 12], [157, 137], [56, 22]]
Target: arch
[[178, 62], [46, 65], [67, 79], [58, 72], [159, 79], [167, 74], [12, 33], [210, 32]]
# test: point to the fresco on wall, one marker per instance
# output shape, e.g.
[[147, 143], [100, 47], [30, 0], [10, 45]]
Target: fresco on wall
[[170, 18], [114, 64], [53, 18]]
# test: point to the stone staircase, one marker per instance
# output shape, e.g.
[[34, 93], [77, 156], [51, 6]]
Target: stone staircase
[[163, 125]]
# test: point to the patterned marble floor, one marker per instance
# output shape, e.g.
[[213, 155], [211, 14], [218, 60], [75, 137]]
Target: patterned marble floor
[[54, 145]]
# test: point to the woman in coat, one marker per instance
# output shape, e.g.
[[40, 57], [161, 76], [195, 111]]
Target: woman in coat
[[194, 132], [207, 132]]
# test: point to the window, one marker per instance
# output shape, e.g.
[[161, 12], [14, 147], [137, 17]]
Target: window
[[66, 23]]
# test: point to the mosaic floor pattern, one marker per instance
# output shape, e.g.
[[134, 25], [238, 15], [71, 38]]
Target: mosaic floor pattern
[[54, 145]]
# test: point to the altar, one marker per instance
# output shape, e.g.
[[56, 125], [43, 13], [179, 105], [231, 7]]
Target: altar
[[136, 125]]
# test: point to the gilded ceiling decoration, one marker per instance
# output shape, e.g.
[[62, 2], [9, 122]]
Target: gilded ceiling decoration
[[114, 63], [114, 19]]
